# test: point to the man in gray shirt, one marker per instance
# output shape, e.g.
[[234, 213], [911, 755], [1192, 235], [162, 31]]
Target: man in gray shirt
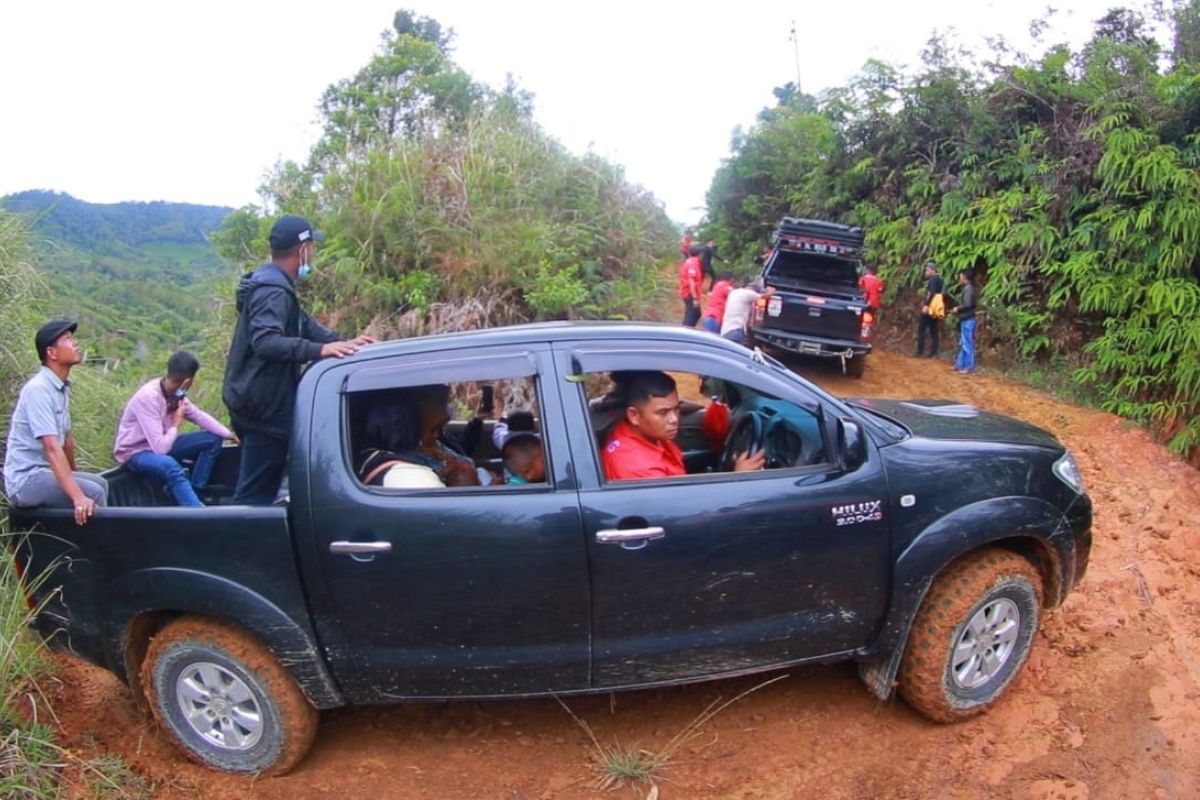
[[39, 462]]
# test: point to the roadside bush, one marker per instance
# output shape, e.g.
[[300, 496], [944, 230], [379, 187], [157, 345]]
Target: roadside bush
[[1070, 182]]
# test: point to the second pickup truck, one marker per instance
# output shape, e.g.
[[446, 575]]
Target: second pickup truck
[[816, 307]]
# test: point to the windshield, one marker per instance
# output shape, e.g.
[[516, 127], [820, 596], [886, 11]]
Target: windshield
[[811, 269]]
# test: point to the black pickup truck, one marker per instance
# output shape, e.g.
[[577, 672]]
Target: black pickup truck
[[817, 307], [921, 540]]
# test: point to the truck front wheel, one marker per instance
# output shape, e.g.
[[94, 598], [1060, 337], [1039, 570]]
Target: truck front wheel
[[972, 635], [225, 699]]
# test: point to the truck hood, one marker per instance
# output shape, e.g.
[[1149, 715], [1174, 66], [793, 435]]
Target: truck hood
[[946, 419]]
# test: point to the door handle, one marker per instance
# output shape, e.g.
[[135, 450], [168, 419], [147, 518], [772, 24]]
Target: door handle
[[620, 536], [359, 548]]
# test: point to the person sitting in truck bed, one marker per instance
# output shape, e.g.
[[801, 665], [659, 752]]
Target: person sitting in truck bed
[[642, 444], [148, 441]]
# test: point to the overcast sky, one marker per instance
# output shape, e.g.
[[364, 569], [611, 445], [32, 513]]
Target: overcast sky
[[192, 102]]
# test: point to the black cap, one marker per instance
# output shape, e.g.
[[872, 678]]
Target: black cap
[[48, 334], [290, 231]]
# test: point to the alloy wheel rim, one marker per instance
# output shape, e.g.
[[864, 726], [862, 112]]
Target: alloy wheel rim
[[219, 706], [986, 644]]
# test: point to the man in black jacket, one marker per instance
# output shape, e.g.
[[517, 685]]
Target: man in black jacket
[[273, 340], [933, 286]]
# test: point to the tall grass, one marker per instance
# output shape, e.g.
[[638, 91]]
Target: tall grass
[[32, 765]]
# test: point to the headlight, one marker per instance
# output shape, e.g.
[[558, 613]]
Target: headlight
[[1068, 472]]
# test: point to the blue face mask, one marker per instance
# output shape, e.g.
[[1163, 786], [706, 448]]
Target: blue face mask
[[305, 271]]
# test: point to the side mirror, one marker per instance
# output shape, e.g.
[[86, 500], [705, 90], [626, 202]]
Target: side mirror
[[852, 444]]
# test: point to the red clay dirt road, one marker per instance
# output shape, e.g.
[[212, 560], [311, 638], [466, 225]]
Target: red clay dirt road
[[1106, 708]]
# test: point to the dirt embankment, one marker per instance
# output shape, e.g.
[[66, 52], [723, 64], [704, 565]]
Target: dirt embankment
[[1106, 708]]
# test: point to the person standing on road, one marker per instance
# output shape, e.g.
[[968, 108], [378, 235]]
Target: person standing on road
[[738, 308], [707, 253], [930, 320], [689, 288], [965, 311], [274, 338], [714, 312], [872, 287], [149, 443], [39, 462]]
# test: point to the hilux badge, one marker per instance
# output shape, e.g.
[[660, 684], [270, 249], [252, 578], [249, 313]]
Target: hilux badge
[[854, 513]]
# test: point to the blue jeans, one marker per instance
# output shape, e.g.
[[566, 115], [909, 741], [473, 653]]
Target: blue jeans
[[201, 447], [966, 346], [710, 324]]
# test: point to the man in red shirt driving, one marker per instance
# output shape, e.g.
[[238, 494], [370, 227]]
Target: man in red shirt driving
[[642, 444]]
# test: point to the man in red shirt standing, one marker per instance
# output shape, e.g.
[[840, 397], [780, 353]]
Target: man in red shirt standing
[[872, 287], [642, 444], [689, 288]]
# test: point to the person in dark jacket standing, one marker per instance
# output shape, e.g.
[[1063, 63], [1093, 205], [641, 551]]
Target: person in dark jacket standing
[[707, 253], [933, 286], [965, 311], [273, 340]]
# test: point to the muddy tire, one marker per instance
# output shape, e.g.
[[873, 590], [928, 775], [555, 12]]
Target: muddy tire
[[225, 699], [972, 635], [856, 366]]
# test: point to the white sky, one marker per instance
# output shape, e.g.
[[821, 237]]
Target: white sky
[[193, 102]]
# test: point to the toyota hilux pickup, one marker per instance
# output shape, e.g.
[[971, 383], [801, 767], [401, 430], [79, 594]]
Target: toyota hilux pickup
[[922, 540], [815, 307]]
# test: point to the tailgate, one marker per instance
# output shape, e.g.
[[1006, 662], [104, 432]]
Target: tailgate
[[814, 315]]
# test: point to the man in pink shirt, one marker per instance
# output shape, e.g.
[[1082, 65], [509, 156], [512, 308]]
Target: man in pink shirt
[[148, 440]]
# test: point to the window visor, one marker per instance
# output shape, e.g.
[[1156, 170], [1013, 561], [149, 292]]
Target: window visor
[[426, 371]]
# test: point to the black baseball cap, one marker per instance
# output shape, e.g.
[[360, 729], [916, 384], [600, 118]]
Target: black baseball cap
[[290, 231], [48, 334]]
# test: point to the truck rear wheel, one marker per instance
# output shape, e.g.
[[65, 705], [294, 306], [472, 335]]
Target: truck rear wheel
[[972, 635], [856, 366], [225, 699]]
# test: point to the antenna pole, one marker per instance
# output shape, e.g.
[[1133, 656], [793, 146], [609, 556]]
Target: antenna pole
[[796, 47]]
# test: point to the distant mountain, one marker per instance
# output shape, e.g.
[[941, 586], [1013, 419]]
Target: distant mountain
[[142, 276], [98, 227]]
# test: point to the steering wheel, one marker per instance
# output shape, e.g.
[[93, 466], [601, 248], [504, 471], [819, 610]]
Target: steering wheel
[[747, 435]]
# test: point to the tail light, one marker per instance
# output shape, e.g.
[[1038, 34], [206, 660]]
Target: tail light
[[868, 324]]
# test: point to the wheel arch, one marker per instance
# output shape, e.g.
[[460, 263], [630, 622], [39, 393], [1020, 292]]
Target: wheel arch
[[141, 603], [1029, 527]]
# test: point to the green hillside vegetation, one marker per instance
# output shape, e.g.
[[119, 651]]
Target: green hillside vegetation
[[139, 277], [1069, 180], [447, 207]]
